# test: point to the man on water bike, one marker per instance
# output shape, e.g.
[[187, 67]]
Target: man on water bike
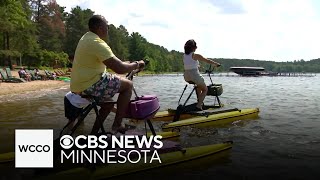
[[89, 75], [191, 70]]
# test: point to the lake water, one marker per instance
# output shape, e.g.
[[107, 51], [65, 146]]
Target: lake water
[[284, 142]]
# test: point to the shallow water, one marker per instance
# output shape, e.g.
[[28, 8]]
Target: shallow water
[[284, 142]]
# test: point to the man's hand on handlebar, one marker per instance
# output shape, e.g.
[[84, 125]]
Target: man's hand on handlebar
[[141, 64]]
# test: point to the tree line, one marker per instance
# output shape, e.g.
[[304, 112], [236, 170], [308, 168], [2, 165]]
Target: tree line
[[299, 66], [42, 33]]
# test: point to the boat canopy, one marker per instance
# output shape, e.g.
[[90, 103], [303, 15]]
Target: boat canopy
[[247, 71], [247, 68]]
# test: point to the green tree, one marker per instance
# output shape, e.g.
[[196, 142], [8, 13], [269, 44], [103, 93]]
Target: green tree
[[137, 46], [49, 18], [52, 19], [119, 41], [76, 26], [13, 20]]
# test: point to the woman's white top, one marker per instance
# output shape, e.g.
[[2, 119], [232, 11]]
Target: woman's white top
[[190, 63]]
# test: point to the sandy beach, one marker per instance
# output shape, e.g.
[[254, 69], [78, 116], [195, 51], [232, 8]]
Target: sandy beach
[[21, 88]]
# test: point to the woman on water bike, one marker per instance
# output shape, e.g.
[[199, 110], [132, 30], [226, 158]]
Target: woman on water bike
[[191, 70]]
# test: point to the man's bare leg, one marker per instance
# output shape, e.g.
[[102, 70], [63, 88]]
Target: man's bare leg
[[125, 93]]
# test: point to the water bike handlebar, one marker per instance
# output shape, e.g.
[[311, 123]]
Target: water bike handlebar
[[210, 69], [132, 73]]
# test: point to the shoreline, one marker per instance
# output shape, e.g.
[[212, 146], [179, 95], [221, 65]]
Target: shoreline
[[12, 89], [9, 89]]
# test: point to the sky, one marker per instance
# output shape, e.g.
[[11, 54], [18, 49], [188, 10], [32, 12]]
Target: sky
[[275, 30]]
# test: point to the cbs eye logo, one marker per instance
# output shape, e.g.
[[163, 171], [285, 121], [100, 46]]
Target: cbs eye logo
[[66, 141]]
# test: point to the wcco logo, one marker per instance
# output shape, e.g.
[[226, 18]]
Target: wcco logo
[[33, 148]]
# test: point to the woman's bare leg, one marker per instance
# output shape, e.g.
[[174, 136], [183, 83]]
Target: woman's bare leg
[[202, 92]]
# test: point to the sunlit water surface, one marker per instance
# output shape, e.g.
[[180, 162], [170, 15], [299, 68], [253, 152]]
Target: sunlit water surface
[[284, 142]]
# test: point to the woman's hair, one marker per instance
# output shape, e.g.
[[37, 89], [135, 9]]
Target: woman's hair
[[190, 46]]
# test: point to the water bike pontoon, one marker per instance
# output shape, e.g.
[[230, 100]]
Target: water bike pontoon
[[192, 156]]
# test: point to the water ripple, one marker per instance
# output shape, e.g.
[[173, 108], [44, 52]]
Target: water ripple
[[285, 135]]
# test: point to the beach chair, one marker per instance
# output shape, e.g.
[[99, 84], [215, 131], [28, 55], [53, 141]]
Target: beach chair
[[33, 75], [58, 73], [66, 73], [63, 73], [49, 75], [41, 74], [5, 78], [8, 70]]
